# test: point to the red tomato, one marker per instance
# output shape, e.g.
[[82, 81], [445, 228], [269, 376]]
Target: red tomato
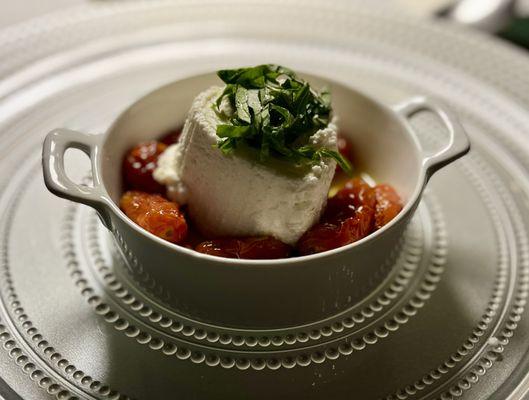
[[342, 205], [155, 214], [358, 226], [388, 205], [247, 248], [349, 217], [139, 164], [319, 238]]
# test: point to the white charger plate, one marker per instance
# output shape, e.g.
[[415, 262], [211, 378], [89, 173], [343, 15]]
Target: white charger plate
[[449, 323]]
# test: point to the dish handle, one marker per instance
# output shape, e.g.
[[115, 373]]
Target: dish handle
[[56, 178], [458, 144]]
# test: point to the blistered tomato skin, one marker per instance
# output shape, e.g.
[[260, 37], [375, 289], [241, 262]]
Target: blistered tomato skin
[[139, 165], [327, 236], [219, 248], [246, 248], [358, 193], [343, 205], [321, 237], [155, 214], [388, 205], [349, 217], [358, 226]]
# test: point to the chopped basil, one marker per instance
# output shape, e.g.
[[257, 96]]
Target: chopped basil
[[275, 112]]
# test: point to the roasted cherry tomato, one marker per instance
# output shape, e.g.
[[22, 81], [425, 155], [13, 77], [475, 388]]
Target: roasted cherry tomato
[[155, 214], [327, 236], [349, 217], [139, 164], [171, 137], [388, 205], [319, 238], [248, 248], [358, 226], [342, 205]]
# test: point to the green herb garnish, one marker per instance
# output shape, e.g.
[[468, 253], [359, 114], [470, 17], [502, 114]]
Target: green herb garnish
[[274, 112]]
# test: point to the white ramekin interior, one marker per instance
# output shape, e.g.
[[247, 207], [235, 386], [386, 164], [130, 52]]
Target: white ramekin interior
[[383, 144]]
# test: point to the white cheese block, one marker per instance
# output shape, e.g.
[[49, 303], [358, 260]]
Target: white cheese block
[[235, 195]]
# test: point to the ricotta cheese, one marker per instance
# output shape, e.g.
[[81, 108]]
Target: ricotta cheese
[[235, 195]]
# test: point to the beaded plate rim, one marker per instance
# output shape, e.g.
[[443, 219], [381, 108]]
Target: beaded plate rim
[[522, 160]]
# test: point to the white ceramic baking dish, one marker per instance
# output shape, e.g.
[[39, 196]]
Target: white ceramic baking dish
[[258, 293]]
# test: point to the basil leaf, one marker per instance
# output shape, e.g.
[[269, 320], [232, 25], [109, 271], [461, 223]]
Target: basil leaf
[[265, 148], [241, 104], [275, 112], [233, 131], [254, 77], [340, 159], [227, 145], [254, 101], [229, 91], [277, 141], [325, 96], [286, 116]]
